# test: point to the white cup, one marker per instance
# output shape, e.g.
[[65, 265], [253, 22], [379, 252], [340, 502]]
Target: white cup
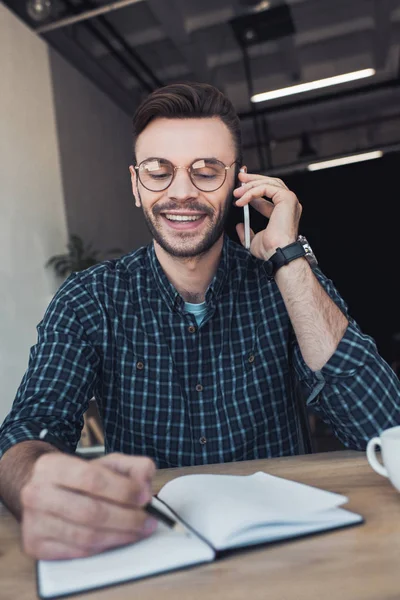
[[389, 441]]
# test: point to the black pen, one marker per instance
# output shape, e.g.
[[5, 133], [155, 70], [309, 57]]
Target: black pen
[[163, 518], [149, 508]]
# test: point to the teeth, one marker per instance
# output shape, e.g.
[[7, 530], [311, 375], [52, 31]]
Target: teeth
[[182, 218]]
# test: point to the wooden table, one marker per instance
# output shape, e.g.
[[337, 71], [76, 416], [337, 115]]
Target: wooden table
[[361, 562]]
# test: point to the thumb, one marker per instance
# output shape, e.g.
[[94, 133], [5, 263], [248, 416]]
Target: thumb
[[140, 468]]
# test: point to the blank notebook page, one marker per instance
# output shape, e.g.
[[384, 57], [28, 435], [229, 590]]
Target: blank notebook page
[[218, 506]]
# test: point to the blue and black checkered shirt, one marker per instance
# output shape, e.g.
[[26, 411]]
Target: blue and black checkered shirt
[[183, 394]]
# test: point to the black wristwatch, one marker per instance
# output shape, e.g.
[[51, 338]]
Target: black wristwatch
[[285, 255]]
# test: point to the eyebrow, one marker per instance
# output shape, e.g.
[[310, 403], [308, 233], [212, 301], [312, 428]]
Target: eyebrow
[[207, 158]]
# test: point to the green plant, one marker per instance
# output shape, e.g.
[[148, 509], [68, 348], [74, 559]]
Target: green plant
[[78, 257]]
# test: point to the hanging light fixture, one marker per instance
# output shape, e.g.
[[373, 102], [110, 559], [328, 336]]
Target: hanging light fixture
[[345, 160], [313, 85], [39, 10]]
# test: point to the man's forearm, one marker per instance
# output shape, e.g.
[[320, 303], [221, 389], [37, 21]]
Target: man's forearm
[[15, 470], [318, 323]]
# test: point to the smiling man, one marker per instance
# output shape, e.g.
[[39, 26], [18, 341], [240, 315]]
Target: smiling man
[[186, 203], [184, 343], [200, 219]]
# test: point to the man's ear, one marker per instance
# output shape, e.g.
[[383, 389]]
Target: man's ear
[[135, 192]]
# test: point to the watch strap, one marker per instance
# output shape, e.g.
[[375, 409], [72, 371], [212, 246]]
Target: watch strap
[[283, 256]]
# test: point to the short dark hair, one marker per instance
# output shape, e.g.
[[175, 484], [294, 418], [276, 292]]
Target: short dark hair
[[188, 101]]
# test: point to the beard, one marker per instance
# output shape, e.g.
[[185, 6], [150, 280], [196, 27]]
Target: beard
[[182, 248]]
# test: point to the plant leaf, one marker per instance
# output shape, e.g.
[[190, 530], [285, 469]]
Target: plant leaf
[[54, 259]]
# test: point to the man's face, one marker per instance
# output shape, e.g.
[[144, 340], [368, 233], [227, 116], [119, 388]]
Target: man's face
[[183, 141]]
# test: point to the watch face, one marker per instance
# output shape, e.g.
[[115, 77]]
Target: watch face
[[310, 256]]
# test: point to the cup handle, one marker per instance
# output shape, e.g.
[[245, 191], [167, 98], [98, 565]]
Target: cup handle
[[371, 455]]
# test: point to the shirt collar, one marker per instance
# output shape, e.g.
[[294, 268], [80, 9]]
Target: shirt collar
[[170, 294]]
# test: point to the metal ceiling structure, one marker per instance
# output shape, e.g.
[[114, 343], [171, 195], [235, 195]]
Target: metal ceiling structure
[[131, 47]]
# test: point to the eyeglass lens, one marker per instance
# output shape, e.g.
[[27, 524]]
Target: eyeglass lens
[[207, 175]]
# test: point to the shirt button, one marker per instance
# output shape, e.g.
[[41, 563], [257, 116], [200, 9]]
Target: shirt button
[[251, 357], [199, 387], [192, 329], [203, 441], [139, 365]]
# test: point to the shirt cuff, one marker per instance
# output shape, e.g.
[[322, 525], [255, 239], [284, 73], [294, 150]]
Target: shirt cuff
[[353, 351], [20, 432]]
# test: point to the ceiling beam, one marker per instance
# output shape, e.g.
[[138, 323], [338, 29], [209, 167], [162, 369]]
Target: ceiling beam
[[170, 14], [209, 18], [85, 15], [124, 49], [381, 38], [134, 39]]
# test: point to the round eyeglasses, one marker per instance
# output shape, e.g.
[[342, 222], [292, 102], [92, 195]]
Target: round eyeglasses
[[206, 174]]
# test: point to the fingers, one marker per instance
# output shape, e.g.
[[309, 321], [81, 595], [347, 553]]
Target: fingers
[[249, 178], [75, 540], [84, 542], [256, 189], [90, 477], [263, 206], [138, 467], [83, 510], [254, 185], [53, 550], [72, 507]]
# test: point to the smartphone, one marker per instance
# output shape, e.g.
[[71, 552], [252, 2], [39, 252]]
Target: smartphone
[[246, 214]]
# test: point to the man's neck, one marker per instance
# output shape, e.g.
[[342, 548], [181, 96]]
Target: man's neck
[[191, 276]]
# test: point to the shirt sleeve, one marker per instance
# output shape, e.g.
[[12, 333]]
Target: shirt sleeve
[[356, 391], [61, 375]]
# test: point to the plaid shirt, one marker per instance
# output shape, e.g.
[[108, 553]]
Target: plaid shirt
[[183, 394]]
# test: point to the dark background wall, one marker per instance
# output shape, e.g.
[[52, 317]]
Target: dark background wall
[[350, 217]]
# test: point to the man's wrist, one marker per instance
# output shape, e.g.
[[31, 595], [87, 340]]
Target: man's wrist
[[293, 270], [270, 251], [283, 256]]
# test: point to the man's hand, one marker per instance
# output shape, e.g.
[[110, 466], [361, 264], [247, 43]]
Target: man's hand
[[283, 211], [73, 508], [318, 322]]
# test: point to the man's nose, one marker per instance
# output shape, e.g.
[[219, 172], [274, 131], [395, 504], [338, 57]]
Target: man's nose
[[182, 187]]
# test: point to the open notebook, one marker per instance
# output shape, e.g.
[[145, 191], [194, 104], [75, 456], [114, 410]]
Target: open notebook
[[220, 512]]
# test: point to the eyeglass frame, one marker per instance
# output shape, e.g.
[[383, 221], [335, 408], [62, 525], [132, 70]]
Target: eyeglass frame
[[175, 168]]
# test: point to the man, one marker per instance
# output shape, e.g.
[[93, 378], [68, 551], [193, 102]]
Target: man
[[184, 343]]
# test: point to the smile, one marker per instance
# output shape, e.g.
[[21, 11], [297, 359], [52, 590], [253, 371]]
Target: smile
[[183, 221], [182, 217]]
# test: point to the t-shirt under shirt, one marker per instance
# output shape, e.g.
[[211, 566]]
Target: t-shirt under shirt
[[198, 310]]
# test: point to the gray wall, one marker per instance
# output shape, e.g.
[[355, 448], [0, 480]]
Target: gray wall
[[65, 149], [95, 141], [32, 218]]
